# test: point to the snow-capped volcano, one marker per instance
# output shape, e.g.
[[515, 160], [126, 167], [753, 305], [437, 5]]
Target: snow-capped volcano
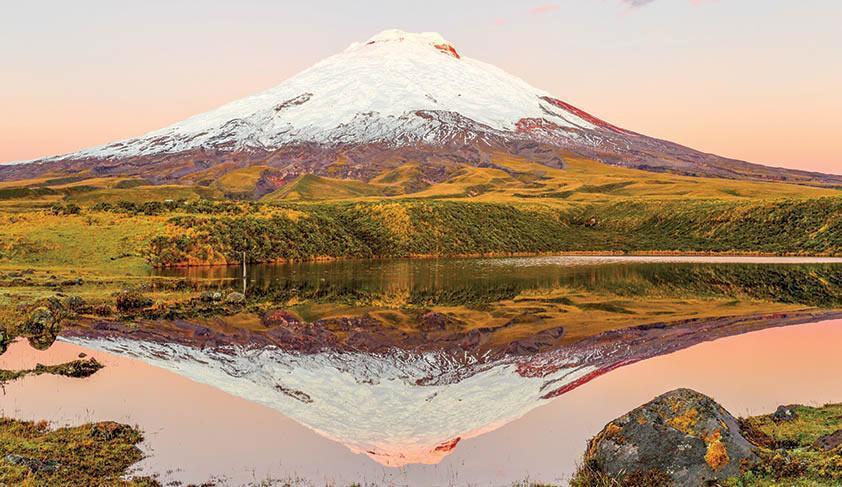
[[381, 90], [395, 96]]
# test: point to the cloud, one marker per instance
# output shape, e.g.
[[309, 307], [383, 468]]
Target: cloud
[[544, 9], [640, 3], [636, 3]]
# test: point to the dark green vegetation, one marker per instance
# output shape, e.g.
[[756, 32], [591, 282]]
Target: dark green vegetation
[[98, 454], [803, 448], [446, 228], [802, 451], [818, 285], [74, 368]]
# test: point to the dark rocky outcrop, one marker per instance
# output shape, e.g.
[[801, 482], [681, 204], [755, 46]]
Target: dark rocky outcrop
[[680, 438], [784, 413], [829, 442]]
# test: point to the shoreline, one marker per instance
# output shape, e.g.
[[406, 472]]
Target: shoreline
[[821, 258]]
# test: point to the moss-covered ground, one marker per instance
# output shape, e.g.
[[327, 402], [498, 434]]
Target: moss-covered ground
[[96, 454]]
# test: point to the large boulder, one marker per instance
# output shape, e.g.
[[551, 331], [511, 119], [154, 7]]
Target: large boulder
[[680, 438]]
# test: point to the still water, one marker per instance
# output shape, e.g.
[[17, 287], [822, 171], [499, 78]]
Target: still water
[[449, 372]]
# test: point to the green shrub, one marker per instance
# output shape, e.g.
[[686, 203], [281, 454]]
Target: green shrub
[[131, 301]]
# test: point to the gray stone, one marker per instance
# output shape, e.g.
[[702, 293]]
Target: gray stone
[[683, 436], [235, 298], [784, 413], [210, 296]]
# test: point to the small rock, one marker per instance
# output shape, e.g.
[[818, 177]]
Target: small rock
[[829, 442], [33, 464], [210, 296], [784, 413], [235, 298]]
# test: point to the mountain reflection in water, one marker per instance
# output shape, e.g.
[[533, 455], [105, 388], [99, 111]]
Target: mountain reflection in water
[[402, 360]]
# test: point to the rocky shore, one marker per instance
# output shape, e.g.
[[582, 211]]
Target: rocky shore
[[684, 438]]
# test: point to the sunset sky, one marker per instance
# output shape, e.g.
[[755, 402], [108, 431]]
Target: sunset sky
[[759, 80]]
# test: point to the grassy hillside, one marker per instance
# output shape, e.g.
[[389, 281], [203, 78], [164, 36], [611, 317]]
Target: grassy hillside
[[91, 240], [310, 187], [510, 205], [446, 228], [128, 235], [504, 179], [239, 183], [582, 180]]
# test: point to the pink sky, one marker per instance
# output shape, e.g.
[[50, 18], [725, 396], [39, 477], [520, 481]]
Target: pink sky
[[745, 79]]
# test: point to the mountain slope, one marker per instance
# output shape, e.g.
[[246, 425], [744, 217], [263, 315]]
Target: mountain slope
[[397, 98]]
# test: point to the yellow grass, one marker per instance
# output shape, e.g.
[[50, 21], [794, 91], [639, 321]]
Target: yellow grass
[[310, 187], [240, 180]]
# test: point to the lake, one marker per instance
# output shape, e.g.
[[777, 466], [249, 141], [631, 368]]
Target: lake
[[441, 372]]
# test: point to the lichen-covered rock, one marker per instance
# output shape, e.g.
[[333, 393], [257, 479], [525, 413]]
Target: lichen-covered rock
[[682, 437]]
